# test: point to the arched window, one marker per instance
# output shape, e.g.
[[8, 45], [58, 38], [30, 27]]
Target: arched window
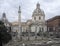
[[39, 29]]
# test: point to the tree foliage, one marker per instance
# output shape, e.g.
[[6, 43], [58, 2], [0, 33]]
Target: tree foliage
[[5, 37]]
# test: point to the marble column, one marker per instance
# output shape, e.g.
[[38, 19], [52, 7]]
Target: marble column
[[36, 32], [19, 22], [28, 33]]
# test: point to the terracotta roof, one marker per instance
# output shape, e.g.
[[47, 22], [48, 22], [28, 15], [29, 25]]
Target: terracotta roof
[[54, 18]]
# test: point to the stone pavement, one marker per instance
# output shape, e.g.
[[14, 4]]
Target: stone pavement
[[37, 42]]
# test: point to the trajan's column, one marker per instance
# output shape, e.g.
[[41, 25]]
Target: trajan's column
[[19, 21]]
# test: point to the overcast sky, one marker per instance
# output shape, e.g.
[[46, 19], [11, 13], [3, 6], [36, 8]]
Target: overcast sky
[[10, 7]]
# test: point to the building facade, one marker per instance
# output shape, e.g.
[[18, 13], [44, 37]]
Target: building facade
[[36, 24], [6, 22], [53, 24], [38, 19]]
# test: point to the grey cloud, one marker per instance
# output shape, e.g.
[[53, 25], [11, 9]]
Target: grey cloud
[[10, 7], [48, 1]]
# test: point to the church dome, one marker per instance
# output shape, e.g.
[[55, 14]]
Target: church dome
[[38, 11], [4, 19], [4, 15]]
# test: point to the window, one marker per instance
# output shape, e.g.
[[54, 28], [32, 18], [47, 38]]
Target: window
[[59, 24], [34, 18], [39, 18], [50, 29], [39, 29]]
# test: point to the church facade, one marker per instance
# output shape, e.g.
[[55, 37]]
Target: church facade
[[6, 22], [36, 24]]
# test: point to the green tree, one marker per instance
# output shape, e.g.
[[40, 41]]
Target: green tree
[[5, 37]]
